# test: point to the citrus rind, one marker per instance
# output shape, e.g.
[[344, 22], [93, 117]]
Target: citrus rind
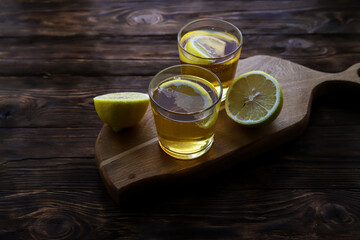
[[241, 100], [121, 110]]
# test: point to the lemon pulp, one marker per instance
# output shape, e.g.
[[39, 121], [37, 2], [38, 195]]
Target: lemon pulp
[[254, 98]]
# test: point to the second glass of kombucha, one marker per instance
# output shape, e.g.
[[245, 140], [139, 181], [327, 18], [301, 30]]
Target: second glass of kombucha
[[214, 44]]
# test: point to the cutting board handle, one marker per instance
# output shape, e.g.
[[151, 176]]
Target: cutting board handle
[[352, 74], [322, 83]]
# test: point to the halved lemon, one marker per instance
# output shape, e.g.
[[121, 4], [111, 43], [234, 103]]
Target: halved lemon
[[121, 110], [254, 99]]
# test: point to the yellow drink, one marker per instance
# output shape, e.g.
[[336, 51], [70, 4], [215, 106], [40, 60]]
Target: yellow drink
[[213, 44], [185, 110]]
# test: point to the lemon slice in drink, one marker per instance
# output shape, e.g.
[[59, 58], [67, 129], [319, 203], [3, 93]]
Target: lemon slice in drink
[[205, 44], [189, 97], [254, 99], [121, 110]]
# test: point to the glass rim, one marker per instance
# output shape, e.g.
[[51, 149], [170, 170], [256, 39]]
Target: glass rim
[[212, 19], [191, 113]]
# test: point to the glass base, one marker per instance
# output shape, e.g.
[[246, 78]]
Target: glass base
[[187, 156]]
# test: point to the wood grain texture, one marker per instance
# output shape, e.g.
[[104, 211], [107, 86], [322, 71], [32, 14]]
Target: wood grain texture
[[39, 102], [161, 18], [304, 214], [133, 157], [55, 56], [299, 191], [124, 56], [28, 143]]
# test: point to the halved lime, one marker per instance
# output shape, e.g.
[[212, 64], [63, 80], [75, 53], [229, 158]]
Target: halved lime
[[254, 99], [121, 110]]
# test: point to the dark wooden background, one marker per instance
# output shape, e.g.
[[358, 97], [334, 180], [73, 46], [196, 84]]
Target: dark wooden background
[[55, 56]]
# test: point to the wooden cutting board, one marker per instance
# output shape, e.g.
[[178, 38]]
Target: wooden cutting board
[[133, 158]]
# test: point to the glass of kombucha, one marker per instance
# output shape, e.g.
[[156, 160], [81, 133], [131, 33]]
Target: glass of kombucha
[[213, 44], [185, 100]]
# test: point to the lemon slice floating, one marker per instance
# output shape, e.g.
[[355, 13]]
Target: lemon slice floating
[[254, 99], [188, 95], [205, 44], [121, 110]]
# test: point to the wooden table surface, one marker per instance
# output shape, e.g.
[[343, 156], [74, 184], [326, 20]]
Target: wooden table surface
[[55, 56]]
